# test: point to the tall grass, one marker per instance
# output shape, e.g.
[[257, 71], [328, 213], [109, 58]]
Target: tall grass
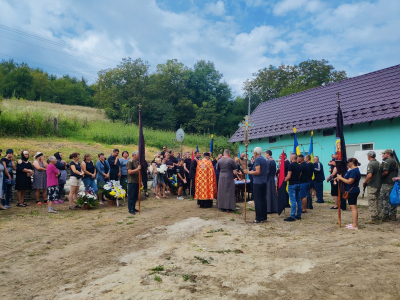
[[38, 123]]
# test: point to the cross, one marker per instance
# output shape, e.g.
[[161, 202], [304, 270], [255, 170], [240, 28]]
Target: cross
[[140, 106], [338, 99], [245, 124]]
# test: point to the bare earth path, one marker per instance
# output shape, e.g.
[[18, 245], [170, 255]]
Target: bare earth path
[[106, 254]]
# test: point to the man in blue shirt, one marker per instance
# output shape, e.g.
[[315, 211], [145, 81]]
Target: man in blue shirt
[[319, 178], [260, 171], [293, 176]]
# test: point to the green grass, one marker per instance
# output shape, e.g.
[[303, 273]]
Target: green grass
[[157, 278], [72, 125]]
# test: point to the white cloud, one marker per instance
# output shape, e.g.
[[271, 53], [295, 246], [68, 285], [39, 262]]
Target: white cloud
[[357, 37], [216, 9], [285, 6]]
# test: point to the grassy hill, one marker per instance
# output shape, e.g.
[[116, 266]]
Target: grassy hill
[[30, 125]]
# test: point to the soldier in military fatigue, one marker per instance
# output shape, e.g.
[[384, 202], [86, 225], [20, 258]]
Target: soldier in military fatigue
[[373, 184], [388, 172]]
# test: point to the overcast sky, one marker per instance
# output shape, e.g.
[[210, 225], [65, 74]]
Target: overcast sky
[[240, 36]]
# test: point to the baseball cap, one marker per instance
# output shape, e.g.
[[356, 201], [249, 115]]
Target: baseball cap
[[388, 151], [371, 153]]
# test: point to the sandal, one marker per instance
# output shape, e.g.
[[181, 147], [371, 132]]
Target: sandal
[[303, 212], [255, 221], [157, 197], [101, 203], [350, 226], [334, 207], [26, 204], [21, 205], [72, 207]]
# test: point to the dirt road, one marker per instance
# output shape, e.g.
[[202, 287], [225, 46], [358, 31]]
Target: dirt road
[[105, 253]]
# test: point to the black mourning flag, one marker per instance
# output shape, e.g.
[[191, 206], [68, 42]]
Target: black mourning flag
[[341, 156]]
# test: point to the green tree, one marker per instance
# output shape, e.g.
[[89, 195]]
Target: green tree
[[274, 82]]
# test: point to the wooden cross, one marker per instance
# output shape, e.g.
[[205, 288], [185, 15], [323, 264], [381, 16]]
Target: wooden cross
[[140, 106], [246, 125]]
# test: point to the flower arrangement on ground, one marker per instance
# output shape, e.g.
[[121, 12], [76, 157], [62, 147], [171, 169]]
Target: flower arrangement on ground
[[87, 197], [113, 190]]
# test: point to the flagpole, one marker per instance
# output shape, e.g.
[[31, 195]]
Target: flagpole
[[245, 125], [140, 183], [140, 170], [338, 185], [245, 186]]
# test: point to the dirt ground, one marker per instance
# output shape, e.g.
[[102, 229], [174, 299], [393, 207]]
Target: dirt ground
[[105, 253]]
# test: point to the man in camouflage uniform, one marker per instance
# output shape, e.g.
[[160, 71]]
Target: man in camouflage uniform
[[388, 171], [373, 184]]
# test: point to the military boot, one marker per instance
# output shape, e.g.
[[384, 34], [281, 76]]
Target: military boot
[[392, 218]]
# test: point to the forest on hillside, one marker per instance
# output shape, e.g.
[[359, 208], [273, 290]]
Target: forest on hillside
[[196, 99]]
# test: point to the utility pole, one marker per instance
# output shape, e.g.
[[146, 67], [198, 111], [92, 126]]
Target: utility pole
[[248, 113]]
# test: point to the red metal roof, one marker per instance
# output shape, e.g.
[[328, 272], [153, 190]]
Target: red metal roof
[[366, 98]]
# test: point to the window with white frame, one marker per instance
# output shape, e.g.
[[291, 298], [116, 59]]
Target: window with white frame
[[352, 148]]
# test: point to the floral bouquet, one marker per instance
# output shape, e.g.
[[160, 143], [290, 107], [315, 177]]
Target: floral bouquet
[[87, 197], [113, 190]]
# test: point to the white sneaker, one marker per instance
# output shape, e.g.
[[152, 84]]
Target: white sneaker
[[51, 210], [180, 198]]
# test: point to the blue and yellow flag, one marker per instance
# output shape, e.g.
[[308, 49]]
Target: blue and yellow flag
[[296, 148], [311, 151]]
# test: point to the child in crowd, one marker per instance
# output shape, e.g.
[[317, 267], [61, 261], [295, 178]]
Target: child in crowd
[[180, 172]]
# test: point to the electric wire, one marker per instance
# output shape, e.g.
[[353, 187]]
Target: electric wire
[[56, 43], [55, 51], [69, 71]]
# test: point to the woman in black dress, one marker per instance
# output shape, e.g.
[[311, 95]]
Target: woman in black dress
[[23, 180]]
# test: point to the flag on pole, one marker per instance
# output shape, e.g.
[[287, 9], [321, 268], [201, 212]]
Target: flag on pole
[[296, 148], [304, 153], [311, 151], [192, 155], [282, 169], [282, 185], [197, 149], [212, 145], [341, 156]]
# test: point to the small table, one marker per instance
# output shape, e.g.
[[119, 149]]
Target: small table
[[239, 187]]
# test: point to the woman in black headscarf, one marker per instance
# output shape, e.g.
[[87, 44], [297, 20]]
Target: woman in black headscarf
[[23, 180]]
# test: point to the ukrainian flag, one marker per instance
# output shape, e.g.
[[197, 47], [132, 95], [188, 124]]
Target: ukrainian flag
[[311, 150], [296, 148]]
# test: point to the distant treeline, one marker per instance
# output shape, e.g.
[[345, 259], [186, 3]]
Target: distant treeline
[[196, 99]]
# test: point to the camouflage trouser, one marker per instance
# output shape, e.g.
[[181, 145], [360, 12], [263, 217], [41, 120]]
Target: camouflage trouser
[[387, 210], [374, 203]]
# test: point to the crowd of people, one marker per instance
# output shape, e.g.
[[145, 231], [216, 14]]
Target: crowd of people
[[204, 179]]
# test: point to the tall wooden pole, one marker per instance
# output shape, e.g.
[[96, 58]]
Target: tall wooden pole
[[140, 184], [245, 187], [339, 207]]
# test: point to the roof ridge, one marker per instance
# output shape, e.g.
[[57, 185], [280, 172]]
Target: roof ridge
[[330, 84]]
